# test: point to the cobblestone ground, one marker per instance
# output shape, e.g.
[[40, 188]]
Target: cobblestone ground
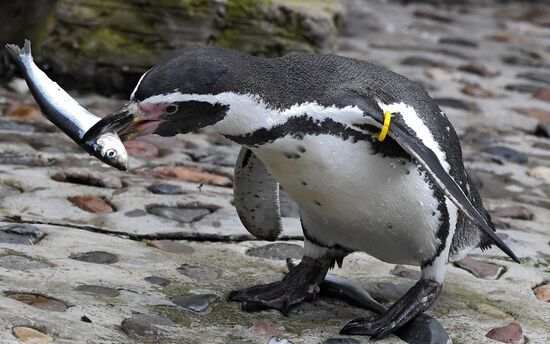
[[92, 255]]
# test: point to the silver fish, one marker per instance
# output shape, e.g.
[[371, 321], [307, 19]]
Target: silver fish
[[63, 111]]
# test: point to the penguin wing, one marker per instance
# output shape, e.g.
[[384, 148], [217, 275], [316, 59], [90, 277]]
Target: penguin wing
[[256, 195], [429, 160]]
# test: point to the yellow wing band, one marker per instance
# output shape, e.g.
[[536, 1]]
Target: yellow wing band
[[385, 127]]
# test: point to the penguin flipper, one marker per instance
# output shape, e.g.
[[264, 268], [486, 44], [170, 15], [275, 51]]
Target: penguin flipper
[[430, 162], [256, 195]]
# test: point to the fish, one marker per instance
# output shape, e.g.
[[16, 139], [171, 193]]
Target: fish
[[65, 112]]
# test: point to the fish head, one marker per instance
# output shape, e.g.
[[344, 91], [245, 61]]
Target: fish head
[[109, 149]]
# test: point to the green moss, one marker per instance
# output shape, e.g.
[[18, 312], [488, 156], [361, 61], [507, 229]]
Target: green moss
[[177, 315]]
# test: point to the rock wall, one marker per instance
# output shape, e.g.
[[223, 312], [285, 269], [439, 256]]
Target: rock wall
[[105, 45]]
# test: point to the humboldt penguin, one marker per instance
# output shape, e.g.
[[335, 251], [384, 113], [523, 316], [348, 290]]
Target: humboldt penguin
[[373, 163]]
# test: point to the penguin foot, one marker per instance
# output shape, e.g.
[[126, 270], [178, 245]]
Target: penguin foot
[[419, 298], [299, 285]]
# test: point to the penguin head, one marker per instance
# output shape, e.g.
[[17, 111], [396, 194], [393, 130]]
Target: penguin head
[[169, 98]]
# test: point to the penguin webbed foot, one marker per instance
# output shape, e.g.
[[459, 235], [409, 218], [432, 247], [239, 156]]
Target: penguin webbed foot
[[299, 285], [418, 299]]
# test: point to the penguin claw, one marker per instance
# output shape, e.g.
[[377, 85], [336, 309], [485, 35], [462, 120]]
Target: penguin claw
[[301, 284]]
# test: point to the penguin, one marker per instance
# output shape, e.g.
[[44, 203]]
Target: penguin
[[313, 124]]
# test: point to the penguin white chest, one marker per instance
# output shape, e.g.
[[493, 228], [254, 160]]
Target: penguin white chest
[[354, 198]]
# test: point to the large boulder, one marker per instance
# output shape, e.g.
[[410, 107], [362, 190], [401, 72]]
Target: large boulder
[[106, 45]]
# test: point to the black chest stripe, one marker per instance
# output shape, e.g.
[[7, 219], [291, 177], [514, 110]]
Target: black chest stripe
[[299, 126]]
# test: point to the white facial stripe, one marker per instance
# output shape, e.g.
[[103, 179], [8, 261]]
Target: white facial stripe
[[248, 112], [413, 121], [135, 89]]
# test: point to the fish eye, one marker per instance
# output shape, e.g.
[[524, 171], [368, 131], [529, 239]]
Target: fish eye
[[171, 109], [111, 154]]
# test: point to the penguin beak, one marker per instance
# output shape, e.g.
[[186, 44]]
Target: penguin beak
[[126, 122]]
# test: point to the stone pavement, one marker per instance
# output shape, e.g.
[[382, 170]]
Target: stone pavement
[[89, 254]]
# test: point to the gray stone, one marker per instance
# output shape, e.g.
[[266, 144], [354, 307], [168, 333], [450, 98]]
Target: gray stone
[[88, 177], [420, 61], [401, 271], [136, 213], [97, 257], [184, 215], [165, 189], [196, 303], [341, 341], [523, 88], [98, 290], [463, 42], [455, 104], [513, 212], [536, 76], [277, 251], [200, 273], [139, 328], [20, 234], [16, 262], [163, 282], [16, 126], [423, 329], [507, 153]]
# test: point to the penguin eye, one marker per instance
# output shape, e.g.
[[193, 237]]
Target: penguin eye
[[111, 154], [171, 109]]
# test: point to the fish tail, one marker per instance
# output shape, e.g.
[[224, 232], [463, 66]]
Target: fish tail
[[17, 52]]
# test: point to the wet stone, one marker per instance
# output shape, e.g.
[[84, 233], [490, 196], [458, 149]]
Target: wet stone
[[423, 329], [196, 303], [16, 262], [139, 328], [165, 189], [523, 88], [455, 104], [264, 327], [341, 341], [432, 14], [511, 333], [477, 91], [536, 76], [507, 154], [513, 212], [20, 234], [171, 246], [200, 273], [479, 268], [438, 74], [154, 319], [8, 190], [161, 281], [542, 292], [277, 251], [97, 257], [401, 271], [39, 301], [185, 215], [92, 204], [30, 335], [307, 310], [478, 69], [98, 290], [24, 111], [87, 177]]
